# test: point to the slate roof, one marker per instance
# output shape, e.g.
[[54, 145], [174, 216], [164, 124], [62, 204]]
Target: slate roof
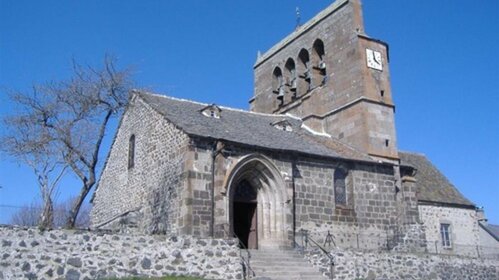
[[433, 186], [249, 128], [493, 230]]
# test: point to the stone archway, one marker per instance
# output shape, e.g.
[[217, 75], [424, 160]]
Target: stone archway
[[258, 206]]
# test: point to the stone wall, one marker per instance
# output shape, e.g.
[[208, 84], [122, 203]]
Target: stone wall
[[389, 265], [354, 103], [335, 27], [61, 254], [368, 220], [464, 229], [146, 196]]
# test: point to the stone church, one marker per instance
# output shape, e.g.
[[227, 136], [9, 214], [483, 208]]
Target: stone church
[[317, 151]]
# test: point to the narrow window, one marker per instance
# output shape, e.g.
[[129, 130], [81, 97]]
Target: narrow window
[[304, 67], [445, 232], [131, 151], [340, 196], [319, 62]]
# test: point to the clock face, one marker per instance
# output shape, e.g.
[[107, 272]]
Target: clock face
[[374, 59]]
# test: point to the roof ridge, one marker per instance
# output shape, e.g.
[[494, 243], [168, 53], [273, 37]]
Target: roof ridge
[[209, 104], [331, 8], [413, 153]]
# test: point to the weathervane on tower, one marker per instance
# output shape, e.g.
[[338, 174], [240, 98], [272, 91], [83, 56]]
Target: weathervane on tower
[[298, 18]]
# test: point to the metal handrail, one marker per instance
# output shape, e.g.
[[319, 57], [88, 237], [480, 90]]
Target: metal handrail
[[246, 262], [328, 254]]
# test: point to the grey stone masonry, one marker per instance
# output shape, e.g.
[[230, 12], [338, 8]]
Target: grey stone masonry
[[146, 196], [369, 217], [27, 253], [342, 96], [389, 265], [464, 230]]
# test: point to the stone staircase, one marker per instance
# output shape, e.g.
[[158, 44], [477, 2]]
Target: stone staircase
[[282, 265]]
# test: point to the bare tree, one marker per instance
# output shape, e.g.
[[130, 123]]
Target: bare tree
[[62, 211], [29, 143], [29, 215], [74, 115]]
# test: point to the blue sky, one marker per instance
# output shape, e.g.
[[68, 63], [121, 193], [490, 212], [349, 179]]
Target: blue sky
[[444, 67]]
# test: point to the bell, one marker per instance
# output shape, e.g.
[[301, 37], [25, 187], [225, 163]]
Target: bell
[[281, 94]]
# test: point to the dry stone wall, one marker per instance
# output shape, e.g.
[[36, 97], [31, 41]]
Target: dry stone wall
[[27, 253], [361, 265]]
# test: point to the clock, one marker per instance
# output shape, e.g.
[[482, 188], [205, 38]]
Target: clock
[[374, 60]]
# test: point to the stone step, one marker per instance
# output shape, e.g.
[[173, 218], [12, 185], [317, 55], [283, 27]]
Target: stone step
[[276, 252], [286, 259], [289, 275], [278, 272], [280, 265], [290, 254], [277, 268], [259, 263], [269, 256]]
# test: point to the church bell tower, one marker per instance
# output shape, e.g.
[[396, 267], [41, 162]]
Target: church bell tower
[[334, 77]]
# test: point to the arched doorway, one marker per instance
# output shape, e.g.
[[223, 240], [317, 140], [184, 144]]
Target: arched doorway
[[259, 211], [244, 217]]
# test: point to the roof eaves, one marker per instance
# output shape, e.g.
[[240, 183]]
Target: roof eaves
[[292, 151], [446, 204], [489, 231]]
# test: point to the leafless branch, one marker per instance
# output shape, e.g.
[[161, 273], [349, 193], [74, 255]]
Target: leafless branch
[[65, 122]]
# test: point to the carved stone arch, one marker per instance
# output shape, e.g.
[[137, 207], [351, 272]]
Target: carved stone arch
[[319, 50], [268, 219]]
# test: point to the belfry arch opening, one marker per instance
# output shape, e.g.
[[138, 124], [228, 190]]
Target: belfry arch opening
[[278, 84], [319, 62], [291, 73], [259, 214], [305, 72]]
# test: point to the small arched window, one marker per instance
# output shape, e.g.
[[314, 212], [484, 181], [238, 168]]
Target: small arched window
[[278, 84], [304, 70], [319, 61], [340, 190], [131, 151], [291, 73]]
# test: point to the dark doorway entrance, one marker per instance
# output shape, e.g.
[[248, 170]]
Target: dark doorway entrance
[[245, 223], [245, 214]]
